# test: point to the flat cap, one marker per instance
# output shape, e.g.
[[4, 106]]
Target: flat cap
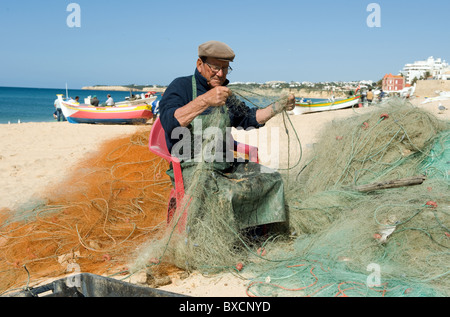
[[217, 50]]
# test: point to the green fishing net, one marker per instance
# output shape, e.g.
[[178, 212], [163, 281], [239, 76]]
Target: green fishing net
[[388, 242], [338, 241]]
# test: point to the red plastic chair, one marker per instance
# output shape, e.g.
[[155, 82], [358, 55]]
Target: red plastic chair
[[158, 146]]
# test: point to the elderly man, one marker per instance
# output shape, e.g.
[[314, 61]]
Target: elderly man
[[190, 103]]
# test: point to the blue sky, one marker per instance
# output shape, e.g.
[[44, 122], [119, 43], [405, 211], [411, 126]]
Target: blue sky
[[152, 42]]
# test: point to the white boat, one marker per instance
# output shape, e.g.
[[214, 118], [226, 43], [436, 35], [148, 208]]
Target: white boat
[[130, 111], [305, 106]]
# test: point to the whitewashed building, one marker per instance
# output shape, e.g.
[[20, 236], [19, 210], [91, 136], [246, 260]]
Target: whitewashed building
[[436, 68]]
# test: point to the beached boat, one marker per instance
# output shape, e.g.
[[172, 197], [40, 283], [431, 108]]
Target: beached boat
[[134, 111], [304, 105]]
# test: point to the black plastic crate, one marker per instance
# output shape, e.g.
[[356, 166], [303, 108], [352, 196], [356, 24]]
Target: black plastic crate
[[91, 285]]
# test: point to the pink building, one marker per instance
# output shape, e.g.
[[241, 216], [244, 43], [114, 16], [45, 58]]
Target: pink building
[[393, 83]]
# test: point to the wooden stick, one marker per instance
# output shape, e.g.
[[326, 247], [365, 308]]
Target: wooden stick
[[415, 180]]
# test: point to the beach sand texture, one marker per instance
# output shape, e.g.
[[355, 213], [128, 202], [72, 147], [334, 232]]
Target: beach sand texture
[[35, 156]]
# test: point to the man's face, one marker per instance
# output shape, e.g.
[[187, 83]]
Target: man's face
[[208, 69]]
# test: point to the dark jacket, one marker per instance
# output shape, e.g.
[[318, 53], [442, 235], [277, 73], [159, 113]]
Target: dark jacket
[[95, 102]]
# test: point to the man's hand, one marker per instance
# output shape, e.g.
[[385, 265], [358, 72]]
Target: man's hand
[[290, 104], [285, 104], [216, 97]]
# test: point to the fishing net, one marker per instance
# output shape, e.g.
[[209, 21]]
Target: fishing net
[[386, 242], [340, 241], [110, 217], [211, 237], [92, 221]]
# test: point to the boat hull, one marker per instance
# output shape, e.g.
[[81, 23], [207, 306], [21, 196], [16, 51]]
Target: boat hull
[[301, 108], [123, 114]]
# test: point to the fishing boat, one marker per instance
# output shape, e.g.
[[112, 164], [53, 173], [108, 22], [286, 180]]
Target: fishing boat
[[304, 105], [125, 112]]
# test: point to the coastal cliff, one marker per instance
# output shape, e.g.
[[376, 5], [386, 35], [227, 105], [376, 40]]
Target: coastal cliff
[[124, 88]]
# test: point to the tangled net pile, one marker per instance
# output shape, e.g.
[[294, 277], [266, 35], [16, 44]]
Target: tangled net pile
[[387, 242], [93, 220], [339, 241]]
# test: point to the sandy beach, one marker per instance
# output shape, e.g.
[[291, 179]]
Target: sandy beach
[[34, 156]]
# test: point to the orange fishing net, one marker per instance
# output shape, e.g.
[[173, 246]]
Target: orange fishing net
[[94, 220]]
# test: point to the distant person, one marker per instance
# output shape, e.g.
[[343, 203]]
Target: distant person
[[95, 101], [381, 95], [370, 96], [110, 101], [363, 96], [58, 115], [77, 99], [155, 108]]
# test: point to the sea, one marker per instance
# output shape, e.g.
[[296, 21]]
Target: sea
[[37, 104]]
